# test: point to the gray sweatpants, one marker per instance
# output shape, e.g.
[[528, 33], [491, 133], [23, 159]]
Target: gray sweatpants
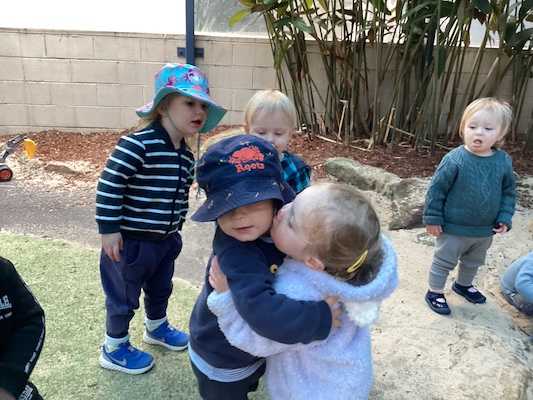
[[449, 249]]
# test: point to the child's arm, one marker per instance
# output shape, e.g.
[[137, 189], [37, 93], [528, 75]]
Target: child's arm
[[236, 330], [239, 333], [508, 202], [524, 280], [440, 185], [122, 164], [271, 315], [22, 349]]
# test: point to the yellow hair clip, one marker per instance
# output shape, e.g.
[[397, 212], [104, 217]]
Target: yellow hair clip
[[357, 262]]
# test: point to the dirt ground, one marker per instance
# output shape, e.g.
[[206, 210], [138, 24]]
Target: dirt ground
[[478, 352], [400, 159]]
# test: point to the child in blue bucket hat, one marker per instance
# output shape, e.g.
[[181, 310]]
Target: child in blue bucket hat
[[242, 178], [141, 204]]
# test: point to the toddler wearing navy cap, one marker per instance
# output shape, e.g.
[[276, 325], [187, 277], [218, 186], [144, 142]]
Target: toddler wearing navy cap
[[242, 179]]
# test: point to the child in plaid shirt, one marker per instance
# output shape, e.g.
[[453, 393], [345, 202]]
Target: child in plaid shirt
[[271, 115]]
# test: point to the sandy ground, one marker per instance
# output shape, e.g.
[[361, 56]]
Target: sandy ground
[[480, 351]]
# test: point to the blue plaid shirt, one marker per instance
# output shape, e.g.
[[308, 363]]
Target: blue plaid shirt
[[295, 172]]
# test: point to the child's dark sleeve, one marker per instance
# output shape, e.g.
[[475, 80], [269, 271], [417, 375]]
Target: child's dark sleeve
[[268, 313], [122, 164], [508, 201], [24, 341], [439, 187]]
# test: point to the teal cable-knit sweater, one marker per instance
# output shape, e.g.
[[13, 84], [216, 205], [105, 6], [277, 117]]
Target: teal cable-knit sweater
[[469, 194]]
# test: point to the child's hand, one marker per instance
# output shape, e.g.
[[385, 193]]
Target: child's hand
[[217, 279], [336, 310], [112, 245], [500, 228], [434, 230]]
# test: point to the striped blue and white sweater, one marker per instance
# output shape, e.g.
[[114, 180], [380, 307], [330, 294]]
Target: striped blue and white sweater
[[144, 188]]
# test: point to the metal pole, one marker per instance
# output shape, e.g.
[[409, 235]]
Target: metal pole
[[189, 31]]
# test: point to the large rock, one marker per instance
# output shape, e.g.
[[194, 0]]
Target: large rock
[[407, 202], [364, 177], [407, 195]]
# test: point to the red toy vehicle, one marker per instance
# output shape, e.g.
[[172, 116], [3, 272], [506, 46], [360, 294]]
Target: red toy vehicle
[[9, 147]]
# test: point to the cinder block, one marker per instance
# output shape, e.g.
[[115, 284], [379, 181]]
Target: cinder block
[[47, 70], [128, 118], [94, 71], [223, 97], [150, 70], [264, 78], [153, 50], [220, 77], [220, 54], [73, 94], [148, 94], [38, 93], [32, 45], [132, 72], [11, 69], [69, 46], [119, 95], [244, 54], [263, 55], [12, 92], [51, 115], [171, 49], [241, 98], [9, 44], [241, 78], [117, 48], [98, 117], [13, 114]]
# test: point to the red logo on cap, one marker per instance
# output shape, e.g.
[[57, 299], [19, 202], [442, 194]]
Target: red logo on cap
[[247, 159]]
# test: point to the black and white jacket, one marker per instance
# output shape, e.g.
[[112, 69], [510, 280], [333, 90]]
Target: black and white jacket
[[22, 330]]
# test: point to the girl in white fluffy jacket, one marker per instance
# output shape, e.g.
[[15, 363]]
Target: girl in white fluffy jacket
[[331, 235]]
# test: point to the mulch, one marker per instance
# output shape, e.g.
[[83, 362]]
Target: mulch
[[400, 159]]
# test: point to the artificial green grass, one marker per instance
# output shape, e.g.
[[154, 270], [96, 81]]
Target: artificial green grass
[[65, 279]]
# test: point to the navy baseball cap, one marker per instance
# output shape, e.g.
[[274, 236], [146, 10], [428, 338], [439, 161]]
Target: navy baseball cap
[[239, 171]]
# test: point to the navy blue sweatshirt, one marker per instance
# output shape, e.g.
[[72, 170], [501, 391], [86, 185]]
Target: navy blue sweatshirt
[[144, 188], [248, 268]]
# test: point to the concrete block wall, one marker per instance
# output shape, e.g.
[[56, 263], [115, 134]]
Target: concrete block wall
[[88, 81], [91, 81]]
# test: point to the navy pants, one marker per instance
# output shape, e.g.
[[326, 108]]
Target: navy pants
[[215, 390], [143, 264]]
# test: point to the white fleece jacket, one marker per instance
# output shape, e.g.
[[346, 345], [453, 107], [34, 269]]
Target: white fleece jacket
[[337, 368]]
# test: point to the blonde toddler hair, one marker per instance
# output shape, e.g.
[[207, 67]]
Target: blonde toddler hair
[[344, 231], [270, 101], [499, 107]]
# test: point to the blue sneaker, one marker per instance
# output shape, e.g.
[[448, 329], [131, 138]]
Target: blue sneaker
[[167, 336], [126, 359]]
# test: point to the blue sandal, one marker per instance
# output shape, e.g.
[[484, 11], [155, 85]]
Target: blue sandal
[[437, 302]]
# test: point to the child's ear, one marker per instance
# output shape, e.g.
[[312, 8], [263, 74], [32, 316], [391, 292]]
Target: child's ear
[[314, 263]]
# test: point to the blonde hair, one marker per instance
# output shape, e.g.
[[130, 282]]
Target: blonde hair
[[344, 226], [500, 107], [210, 141], [270, 101]]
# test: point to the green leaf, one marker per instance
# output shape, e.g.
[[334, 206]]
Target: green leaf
[[442, 60], [238, 16], [525, 9], [309, 3], [247, 3], [510, 29], [520, 38], [324, 4], [482, 5]]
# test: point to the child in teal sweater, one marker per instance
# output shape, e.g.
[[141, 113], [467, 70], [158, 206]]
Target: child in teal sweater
[[471, 197]]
